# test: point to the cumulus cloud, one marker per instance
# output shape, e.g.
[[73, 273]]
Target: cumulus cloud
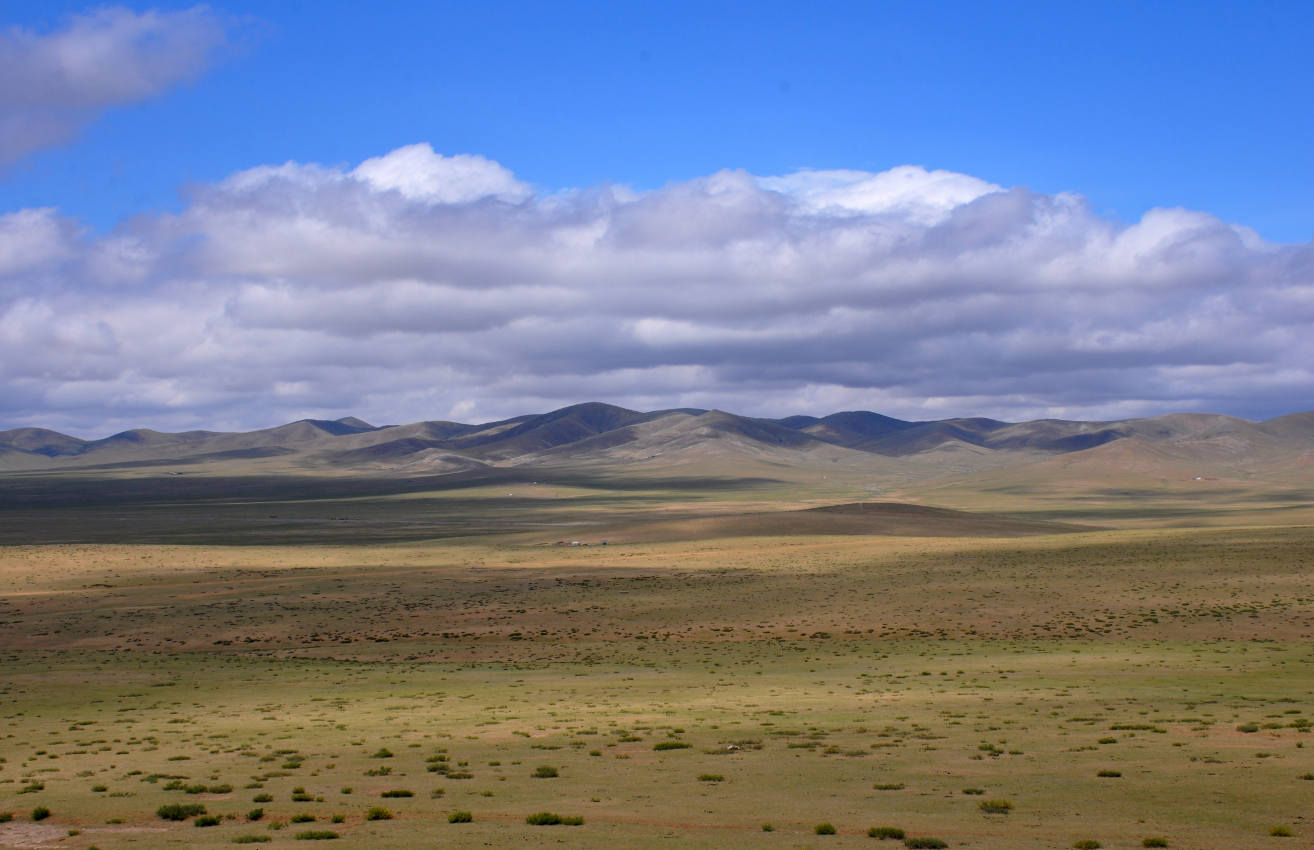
[[422, 175], [52, 84], [418, 285]]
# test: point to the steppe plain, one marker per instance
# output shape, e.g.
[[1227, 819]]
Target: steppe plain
[[328, 629]]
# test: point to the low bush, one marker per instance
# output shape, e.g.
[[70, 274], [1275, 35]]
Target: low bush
[[710, 777], [1154, 841], [397, 792], [255, 814], [179, 811], [378, 813], [207, 820], [884, 832], [316, 835], [888, 786], [253, 839], [552, 819], [1086, 844], [460, 817], [824, 829], [996, 807], [40, 813], [545, 771], [1109, 774], [302, 818], [924, 843], [671, 745], [1280, 831], [263, 798]]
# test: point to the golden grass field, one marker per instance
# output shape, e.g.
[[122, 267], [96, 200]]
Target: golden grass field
[[731, 670]]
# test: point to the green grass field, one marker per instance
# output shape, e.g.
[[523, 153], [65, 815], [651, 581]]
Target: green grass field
[[694, 683]]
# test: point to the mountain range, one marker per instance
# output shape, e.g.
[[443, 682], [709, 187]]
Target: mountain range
[[593, 433]]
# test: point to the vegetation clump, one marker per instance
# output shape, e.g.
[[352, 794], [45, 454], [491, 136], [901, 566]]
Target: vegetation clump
[[552, 819], [886, 832], [460, 817], [179, 811]]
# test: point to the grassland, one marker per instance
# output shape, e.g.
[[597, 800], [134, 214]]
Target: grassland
[[314, 648]]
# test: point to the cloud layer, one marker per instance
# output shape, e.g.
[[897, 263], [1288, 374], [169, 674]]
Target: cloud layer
[[51, 85], [420, 286]]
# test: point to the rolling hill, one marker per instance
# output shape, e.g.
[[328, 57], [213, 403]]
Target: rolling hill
[[892, 452]]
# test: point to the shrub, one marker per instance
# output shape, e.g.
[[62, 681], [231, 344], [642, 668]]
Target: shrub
[[824, 829], [40, 813], [6, 817], [551, 819], [924, 843], [207, 820], [1086, 844], [382, 753], [884, 832], [378, 813], [888, 786], [302, 818], [316, 835], [545, 771], [671, 745], [1248, 727], [996, 807], [1109, 774], [710, 777], [974, 791], [99, 788], [179, 811], [460, 817], [263, 798], [766, 827], [220, 789], [1280, 832], [1154, 841], [397, 792], [255, 814], [339, 818], [252, 839]]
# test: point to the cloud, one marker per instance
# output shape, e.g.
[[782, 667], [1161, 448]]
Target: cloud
[[53, 84], [422, 175], [420, 285]]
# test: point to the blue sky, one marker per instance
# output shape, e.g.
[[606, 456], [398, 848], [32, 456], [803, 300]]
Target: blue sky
[[1133, 105], [237, 214]]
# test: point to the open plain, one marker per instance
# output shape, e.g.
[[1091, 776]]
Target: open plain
[[732, 649]]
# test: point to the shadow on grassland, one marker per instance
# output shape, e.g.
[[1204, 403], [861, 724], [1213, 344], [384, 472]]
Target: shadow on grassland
[[277, 510]]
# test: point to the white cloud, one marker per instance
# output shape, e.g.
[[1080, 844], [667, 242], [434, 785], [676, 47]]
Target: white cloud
[[422, 175], [909, 192], [399, 292], [51, 84]]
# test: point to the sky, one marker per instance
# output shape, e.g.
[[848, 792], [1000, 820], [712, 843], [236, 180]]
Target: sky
[[236, 215]]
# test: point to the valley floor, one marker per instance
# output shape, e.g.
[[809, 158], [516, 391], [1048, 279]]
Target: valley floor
[[1109, 686]]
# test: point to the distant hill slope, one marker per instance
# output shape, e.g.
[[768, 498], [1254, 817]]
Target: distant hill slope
[[603, 434]]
